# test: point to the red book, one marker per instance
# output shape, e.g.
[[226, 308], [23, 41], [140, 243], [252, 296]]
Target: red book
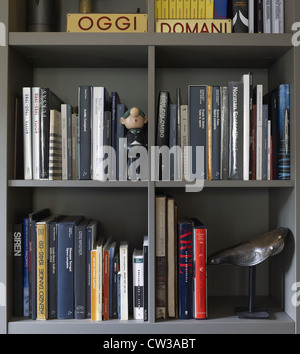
[[200, 278]]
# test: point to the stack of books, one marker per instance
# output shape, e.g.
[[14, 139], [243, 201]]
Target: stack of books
[[64, 269]]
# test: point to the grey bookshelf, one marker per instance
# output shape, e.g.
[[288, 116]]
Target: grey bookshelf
[[233, 210]]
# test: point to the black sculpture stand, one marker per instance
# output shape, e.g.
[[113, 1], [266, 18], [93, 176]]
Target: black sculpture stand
[[251, 312]]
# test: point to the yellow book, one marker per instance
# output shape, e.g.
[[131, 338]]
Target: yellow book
[[179, 9], [194, 9], [94, 285], [201, 8], [172, 9], [209, 9], [165, 9], [158, 9], [187, 8]]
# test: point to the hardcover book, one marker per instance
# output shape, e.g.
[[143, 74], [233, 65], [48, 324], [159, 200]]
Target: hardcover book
[[27, 131], [138, 284], [18, 258], [123, 250], [240, 22], [55, 146], [65, 267], [185, 269]]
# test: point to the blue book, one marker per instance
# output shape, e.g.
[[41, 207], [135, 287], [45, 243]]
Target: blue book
[[85, 114], [65, 264], [185, 269], [197, 96], [220, 9], [80, 270], [265, 142], [216, 131], [26, 267], [284, 162]]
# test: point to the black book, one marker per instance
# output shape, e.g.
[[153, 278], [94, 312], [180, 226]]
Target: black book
[[145, 254], [162, 138], [258, 16], [240, 16]]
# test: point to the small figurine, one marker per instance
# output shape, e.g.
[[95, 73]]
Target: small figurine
[[134, 120]]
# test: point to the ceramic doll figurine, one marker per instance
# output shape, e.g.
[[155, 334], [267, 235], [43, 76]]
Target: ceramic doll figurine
[[135, 120]]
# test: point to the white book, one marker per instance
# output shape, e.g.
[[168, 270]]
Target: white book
[[278, 16], [27, 132], [124, 280], [251, 15], [36, 116], [64, 142], [246, 126], [259, 137], [138, 284], [184, 140], [267, 13], [97, 133]]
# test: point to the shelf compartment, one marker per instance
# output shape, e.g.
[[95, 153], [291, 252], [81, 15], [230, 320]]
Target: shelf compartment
[[221, 320]]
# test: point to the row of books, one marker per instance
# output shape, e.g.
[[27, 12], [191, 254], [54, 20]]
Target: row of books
[[61, 144], [244, 134], [190, 9], [64, 269], [248, 16], [180, 261]]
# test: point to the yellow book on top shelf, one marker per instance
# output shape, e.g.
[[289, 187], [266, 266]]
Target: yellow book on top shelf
[[194, 9], [165, 9], [172, 9], [209, 9], [179, 9], [201, 8], [186, 8], [158, 9]]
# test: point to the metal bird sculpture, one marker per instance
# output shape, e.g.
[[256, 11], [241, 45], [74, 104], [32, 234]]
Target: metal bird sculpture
[[252, 252]]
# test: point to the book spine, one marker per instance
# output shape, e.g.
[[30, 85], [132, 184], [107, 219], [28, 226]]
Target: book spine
[[55, 144], [64, 141], [173, 141], [26, 269], [94, 285], [115, 100], [146, 256], [165, 9], [235, 130], [246, 126], [80, 271], [138, 288], [265, 143], [184, 139], [185, 270], [200, 279], [224, 134], [106, 284], [267, 16], [194, 9], [42, 272], [209, 9], [201, 9], [278, 16], [179, 10], [69, 142], [161, 296], [18, 259], [84, 110], [65, 272], [124, 281], [27, 132], [240, 16], [172, 9], [216, 132], [258, 16], [157, 9], [198, 128], [52, 312], [44, 133], [36, 132], [100, 289], [220, 9], [259, 120], [251, 15], [116, 268], [209, 133], [284, 166], [186, 9], [121, 152]]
